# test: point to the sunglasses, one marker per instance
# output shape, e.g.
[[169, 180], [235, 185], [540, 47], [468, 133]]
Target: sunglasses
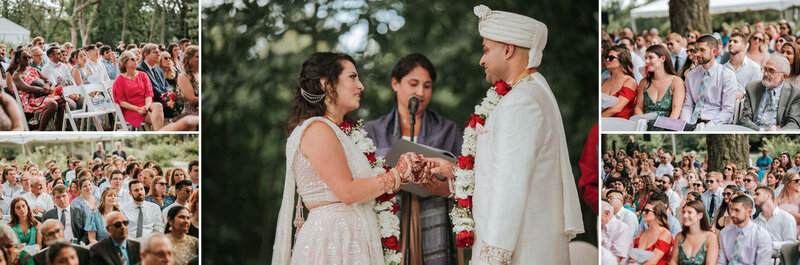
[[796, 180], [728, 168], [710, 181], [120, 223], [726, 194], [747, 180], [757, 39], [611, 58], [26, 57], [645, 211], [661, 182], [697, 185], [161, 184]]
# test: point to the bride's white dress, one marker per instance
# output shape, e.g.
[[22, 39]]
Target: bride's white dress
[[332, 234]]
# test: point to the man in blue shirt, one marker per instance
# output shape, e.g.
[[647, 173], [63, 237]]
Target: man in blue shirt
[[109, 61], [115, 249]]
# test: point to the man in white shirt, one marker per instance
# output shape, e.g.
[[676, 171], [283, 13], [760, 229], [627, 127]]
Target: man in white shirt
[[710, 88], [796, 167], [664, 165], [71, 218], [712, 197], [10, 186], [24, 181], [144, 216], [183, 190], [194, 174], [676, 50], [57, 71], [665, 184], [616, 235], [38, 201], [123, 196], [615, 198], [5, 206], [746, 70], [97, 69], [779, 223]]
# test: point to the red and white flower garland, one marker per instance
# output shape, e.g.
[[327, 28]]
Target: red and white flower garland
[[464, 184], [385, 205]]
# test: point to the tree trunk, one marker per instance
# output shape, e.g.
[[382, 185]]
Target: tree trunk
[[724, 148], [92, 16], [124, 20], [153, 21], [163, 23], [686, 15]]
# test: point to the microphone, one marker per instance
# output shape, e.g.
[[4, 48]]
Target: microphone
[[413, 105]]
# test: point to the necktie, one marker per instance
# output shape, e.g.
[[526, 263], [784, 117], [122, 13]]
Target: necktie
[[677, 63], [122, 258], [698, 106], [713, 205], [769, 117], [739, 238], [139, 222], [64, 218]]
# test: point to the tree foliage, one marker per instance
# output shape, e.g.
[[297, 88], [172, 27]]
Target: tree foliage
[[89, 21], [252, 53]]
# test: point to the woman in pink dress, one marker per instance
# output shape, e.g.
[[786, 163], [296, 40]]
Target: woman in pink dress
[[36, 97], [134, 94]]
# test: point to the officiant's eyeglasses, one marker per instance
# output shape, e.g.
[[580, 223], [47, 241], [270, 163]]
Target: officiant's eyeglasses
[[611, 58], [120, 223]]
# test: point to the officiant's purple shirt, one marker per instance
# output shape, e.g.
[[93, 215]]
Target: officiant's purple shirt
[[435, 131]]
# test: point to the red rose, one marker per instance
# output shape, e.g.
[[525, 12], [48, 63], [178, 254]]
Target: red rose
[[173, 96], [501, 87], [385, 197], [466, 162], [474, 120], [371, 157], [391, 242], [58, 91], [395, 208], [465, 239], [466, 203], [346, 126], [387, 168]]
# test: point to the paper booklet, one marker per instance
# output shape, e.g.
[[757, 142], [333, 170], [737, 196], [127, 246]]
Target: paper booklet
[[403, 146]]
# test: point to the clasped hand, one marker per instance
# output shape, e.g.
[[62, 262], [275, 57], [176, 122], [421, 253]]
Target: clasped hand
[[416, 168]]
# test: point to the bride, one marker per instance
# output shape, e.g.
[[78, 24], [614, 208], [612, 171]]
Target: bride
[[333, 177]]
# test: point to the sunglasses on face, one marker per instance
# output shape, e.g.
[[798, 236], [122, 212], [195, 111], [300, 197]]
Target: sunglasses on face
[[727, 168], [697, 185], [611, 58], [710, 181], [726, 194], [120, 224], [796, 180], [757, 39], [747, 180], [645, 211], [161, 184], [26, 57]]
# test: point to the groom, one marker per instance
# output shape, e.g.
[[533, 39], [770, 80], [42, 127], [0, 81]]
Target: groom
[[525, 203]]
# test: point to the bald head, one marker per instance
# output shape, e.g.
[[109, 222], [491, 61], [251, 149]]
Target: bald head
[[52, 230]]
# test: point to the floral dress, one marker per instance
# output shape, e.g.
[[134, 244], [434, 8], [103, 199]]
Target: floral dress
[[663, 107], [30, 102], [698, 259]]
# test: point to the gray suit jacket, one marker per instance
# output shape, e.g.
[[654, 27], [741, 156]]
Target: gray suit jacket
[[788, 106], [78, 218], [83, 255]]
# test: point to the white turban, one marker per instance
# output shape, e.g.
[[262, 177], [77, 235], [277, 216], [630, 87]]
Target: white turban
[[519, 30]]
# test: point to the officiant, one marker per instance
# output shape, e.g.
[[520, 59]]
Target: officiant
[[431, 238]]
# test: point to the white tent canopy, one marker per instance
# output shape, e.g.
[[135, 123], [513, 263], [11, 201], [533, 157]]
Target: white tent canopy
[[660, 8], [10, 32]]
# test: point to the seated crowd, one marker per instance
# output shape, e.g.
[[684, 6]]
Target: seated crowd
[[152, 83], [701, 79], [657, 211], [108, 210]]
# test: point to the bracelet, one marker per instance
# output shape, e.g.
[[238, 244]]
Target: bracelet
[[396, 179], [385, 181]]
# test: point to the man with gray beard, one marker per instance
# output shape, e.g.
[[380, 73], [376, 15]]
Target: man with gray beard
[[773, 103]]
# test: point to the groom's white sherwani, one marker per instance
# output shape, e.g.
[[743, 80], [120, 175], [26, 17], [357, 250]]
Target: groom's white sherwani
[[525, 203]]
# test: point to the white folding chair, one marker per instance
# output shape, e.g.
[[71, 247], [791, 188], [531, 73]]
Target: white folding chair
[[69, 113], [95, 111], [723, 128], [119, 120], [618, 125]]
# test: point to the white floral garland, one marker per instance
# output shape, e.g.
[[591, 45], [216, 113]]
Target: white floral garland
[[464, 184], [388, 222]]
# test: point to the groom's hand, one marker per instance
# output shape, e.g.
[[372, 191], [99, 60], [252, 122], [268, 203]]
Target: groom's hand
[[441, 166], [438, 187]]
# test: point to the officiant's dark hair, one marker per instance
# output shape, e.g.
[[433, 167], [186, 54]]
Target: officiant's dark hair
[[411, 61], [327, 65]]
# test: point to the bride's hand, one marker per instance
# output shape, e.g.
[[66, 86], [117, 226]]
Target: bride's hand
[[441, 166], [409, 166]]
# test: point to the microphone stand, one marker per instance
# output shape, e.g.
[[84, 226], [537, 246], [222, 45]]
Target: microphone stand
[[408, 198]]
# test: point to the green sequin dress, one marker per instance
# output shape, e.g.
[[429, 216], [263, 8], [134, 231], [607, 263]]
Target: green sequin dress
[[663, 107], [698, 259]]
